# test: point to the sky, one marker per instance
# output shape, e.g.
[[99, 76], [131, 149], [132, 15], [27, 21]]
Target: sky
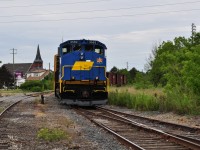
[[129, 28]]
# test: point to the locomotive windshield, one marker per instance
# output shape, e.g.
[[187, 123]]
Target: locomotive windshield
[[77, 47], [96, 48], [87, 47]]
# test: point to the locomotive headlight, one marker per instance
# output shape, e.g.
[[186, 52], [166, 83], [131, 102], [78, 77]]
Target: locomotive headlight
[[81, 56], [97, 78], [73, 78]]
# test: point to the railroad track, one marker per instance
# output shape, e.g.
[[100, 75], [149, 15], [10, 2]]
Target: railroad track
[[4, 140], [189, 133], [134, 134], [6, 105]]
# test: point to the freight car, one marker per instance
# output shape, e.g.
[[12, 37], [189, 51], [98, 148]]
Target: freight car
[[116, 79], [80, 73]]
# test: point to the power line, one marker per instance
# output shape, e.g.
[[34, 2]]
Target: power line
[[104, 17], [69, 3], [100, 10]]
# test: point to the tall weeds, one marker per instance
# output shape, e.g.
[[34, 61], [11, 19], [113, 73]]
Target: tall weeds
[[169, 102], [138, 101]]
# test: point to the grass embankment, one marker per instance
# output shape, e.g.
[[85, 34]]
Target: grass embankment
[[152, 100]]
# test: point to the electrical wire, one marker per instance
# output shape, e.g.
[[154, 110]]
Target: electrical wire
[[103, 17], [103, 10], [69, 3]]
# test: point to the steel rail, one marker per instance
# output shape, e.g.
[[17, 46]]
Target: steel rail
[[123, 140], [153, 120], [159, 122], [9, 107], [167, 136]]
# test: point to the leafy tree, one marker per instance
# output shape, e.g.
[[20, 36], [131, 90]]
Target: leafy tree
[[196, 38], [114, 69], [133, 73], [176, 65]]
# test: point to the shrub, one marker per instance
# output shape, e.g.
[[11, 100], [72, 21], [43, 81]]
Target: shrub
[[28, 85], [37, 86], [36, 89]]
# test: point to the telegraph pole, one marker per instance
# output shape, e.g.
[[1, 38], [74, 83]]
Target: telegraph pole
[[14, 51]]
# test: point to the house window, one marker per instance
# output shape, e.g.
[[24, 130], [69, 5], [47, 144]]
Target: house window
[[36, 75]]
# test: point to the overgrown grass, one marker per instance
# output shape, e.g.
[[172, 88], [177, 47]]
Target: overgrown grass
[[11, 91], [138, 101], [180, 103], [51, 134], [153, 100]]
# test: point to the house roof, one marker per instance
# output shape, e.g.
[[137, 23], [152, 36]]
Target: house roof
[[40, 77], [37, 71], [22, 67]]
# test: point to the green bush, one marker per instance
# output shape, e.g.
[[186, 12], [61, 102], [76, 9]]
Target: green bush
[[36, 89], [51, 134], [37, 86], [28, 85]]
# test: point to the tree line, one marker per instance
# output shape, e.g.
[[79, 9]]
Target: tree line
[[175, 66]]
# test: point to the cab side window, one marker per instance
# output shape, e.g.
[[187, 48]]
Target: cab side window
[[66, 49], [99, 50]]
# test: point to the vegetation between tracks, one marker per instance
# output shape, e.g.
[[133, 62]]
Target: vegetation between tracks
[[51, 134]]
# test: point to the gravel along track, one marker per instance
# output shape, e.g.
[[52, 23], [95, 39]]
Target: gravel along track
[[140, 135], [20, 125]]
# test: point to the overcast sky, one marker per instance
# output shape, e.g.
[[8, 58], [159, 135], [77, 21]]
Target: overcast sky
[[129, 28]]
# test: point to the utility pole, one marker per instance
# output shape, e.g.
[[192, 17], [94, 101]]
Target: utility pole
[[127, 66], [49, 67], [193, 32], [14, 51]]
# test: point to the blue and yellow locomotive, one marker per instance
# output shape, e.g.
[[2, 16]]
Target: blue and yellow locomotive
[[80, 73]]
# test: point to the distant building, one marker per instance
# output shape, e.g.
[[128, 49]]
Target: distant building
[[22, 72], [7, 75], [37, 74]]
